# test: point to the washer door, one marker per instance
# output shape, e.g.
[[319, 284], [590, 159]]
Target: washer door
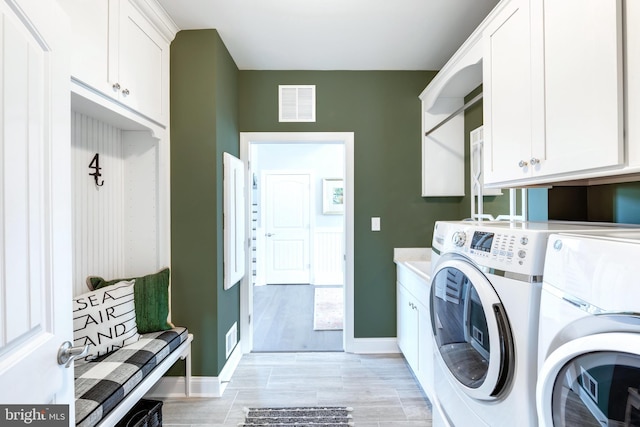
[[592, 381], [471, 329]]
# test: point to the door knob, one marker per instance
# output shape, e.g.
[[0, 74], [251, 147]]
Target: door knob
[[522, 163], [67, 353], [270, 234], [534, 161]]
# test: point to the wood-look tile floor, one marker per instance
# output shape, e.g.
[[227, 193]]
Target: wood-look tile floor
[[380, 388]]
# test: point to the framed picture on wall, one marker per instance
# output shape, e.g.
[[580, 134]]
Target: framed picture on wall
[[332, 196]]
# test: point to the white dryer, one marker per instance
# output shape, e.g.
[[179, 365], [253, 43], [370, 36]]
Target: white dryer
[[484, 306], [589, 335]]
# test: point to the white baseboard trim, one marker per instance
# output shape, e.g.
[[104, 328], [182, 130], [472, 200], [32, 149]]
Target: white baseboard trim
[[168, 387], [373, 345]]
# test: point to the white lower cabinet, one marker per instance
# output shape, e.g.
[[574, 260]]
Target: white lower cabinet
[[408, 327], [414, 325]]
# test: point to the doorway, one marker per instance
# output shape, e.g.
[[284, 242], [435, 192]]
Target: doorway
[[289, 173]]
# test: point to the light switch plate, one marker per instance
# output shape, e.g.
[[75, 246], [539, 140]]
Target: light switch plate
[[375, 223]]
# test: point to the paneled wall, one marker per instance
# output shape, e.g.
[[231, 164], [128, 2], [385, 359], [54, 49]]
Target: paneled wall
[[98, 211], [328, 257], [115, 224]]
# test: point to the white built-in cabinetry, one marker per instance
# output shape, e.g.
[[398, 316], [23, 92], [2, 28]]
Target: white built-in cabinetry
[[631, 20], [414, 324], [561, 97], [121, 51], [553, 93], [120, 111]]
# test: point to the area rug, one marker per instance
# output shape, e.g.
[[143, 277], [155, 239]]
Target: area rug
[[328, 309], [332, 416]]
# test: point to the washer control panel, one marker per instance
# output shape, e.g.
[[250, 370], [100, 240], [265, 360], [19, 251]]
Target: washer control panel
[[502, 248]]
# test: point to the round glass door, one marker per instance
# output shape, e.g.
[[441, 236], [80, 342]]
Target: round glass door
[[595, 381], [470, 329]]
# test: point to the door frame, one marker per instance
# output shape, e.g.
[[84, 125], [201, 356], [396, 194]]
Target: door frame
[[246, 296]]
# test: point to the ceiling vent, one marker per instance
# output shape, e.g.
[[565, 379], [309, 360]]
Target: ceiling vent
[[297, 103]]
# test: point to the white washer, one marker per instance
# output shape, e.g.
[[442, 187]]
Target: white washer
[[589, 335], [485, 294]]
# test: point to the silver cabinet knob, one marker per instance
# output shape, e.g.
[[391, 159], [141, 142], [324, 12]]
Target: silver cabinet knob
[[534, 161], [270, 234], [522, 163], [116, 86], [67, 353], [125, 92]]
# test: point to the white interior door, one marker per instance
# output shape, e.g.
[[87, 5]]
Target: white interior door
[[287, 228], [35, 204]]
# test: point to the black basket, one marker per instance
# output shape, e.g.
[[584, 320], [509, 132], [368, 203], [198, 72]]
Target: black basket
[[146, 413]]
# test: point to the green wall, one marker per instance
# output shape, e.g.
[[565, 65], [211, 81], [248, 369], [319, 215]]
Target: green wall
[[211, 102], [204, 124], [383, 110]]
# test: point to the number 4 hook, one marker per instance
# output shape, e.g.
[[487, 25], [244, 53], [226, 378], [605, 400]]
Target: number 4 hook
[[95, 165]]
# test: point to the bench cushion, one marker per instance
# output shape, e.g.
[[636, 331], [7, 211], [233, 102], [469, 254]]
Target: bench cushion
[[102, 383]]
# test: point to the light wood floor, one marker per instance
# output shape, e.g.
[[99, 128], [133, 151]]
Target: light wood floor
[[380, 389], [283, 321]]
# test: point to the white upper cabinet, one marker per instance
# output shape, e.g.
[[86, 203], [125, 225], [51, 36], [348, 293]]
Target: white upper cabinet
[[507, 93], [632, 81], [553, 84], [119, 52]]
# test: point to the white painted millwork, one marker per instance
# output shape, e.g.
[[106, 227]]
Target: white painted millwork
[[553, 90], [415, 338], [119, 228], [632, 81], [507, 93], [233, 222], [120, 48], [35, 206], [347, 139]]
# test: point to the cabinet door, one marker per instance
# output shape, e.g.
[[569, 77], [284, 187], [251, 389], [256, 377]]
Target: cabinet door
[[407, 327], [425, 349], [583, 103], [143, 66], [92, 23], [507, 94], [632, 82]]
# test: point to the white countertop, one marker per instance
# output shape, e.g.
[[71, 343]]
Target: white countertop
[[416, 259]]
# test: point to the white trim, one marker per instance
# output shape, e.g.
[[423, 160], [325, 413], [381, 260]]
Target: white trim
[[374, 346], [347, 139], [168, 387]]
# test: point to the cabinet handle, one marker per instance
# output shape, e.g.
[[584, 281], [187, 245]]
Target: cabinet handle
[[534, 161], [116, 86], [125, 92], [522, 163]]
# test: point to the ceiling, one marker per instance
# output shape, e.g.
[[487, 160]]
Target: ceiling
[[335, 34]]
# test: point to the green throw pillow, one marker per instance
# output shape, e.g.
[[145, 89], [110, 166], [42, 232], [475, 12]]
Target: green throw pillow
[[151, 297]]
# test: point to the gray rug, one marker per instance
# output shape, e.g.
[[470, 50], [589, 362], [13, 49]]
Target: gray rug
[[331, 416]]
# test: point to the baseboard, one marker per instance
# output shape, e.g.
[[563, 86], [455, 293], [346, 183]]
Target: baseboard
[[168, 387], [373, 345]]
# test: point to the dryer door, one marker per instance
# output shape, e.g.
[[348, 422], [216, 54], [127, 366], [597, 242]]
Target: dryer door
[[592, 381], [471, 329]]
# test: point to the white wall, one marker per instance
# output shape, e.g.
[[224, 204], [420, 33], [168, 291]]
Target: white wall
[[115, 226]]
